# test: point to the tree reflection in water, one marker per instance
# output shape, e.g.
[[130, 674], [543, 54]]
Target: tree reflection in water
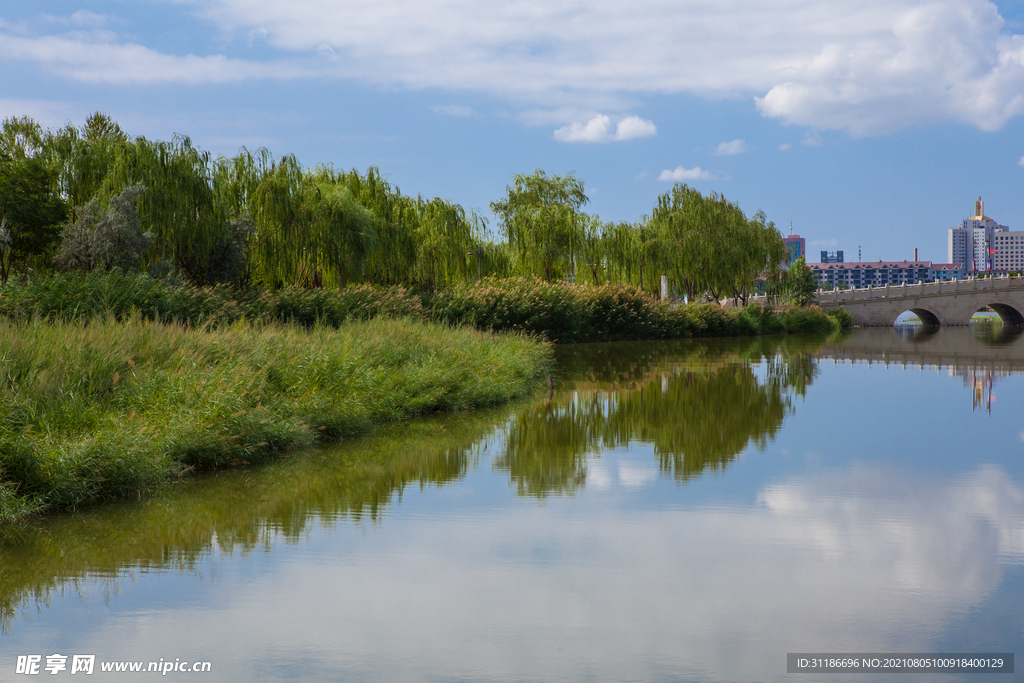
[[698, 403], [237, 511]]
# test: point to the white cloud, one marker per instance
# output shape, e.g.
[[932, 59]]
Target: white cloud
[[728, 148], [1021, 161], [599, 129], [784, 146], [633, 127], [82, 18], [680, 174], [635, 477], [598, 477], [453, 110], [812, 139], [108, 62], [868, 68]]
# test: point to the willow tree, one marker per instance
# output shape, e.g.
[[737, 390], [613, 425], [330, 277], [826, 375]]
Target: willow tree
[[31, 208], [31, 212], [82, 157], [396, 217], [761, 255], [593, 258], [445, 238], [712, 247], [179, 206], [619, 241], [310, 230], [21, 138], [541, 219]]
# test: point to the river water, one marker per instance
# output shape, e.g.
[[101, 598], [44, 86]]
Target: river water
[[685, 511]]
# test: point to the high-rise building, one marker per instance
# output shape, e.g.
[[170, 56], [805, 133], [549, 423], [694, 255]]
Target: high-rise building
[[972, 241], [1009, 252], [797, 247], [832, 257]]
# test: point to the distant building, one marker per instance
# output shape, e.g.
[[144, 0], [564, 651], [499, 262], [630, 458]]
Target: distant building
[[797, 247], [971, 242], [1009, 248], [831, 257], [947, 271], [881, 273]]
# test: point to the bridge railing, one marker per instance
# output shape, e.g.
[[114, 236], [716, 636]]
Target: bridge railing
[[918, 289]]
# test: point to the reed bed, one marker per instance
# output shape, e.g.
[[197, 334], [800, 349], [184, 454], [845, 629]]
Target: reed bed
[[78, 296], [567, 313], [96, 409], [560, 312]]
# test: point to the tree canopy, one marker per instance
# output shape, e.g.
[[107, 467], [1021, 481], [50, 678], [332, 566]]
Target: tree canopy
[[258, 219]]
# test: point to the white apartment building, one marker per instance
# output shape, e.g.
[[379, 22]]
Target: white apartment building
[[969, 243], [1009, 256]]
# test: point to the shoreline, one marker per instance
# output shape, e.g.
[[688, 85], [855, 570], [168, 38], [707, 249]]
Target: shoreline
[[99, 410]]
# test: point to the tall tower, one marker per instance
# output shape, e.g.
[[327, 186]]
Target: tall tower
[[979, 208]]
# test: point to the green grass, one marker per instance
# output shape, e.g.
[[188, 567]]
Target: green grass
[[560, 312], [98, 409]]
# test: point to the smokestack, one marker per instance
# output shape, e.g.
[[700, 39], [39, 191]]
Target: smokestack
[[915, 254]]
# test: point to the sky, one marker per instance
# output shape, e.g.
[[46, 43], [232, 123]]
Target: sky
[[871, 125]]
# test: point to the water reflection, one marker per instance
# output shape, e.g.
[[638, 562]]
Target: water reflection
[[979, 354], [698, 403], [361, 577], [237, 511]]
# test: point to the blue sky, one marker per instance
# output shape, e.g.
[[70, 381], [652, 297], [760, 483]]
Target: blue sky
[[874, 125]]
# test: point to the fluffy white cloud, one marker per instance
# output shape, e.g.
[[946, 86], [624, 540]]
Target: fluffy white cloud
[[681, 174], [599, 129], [634, 127], [784, 146], [868, 67], [733, 147]]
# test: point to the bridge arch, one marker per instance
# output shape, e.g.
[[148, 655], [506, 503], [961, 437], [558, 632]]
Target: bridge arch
[[1007, 313], [924, 315]]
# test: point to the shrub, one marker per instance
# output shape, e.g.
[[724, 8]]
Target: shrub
[[808, 320], [842, 316]]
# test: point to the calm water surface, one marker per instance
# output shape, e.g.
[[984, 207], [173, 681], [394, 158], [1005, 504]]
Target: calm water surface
[[669, 512]]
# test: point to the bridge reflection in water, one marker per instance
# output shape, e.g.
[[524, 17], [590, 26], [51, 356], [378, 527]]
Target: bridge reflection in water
[[979, 355]]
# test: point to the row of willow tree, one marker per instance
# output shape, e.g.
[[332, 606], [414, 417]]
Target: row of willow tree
[[95, 197]]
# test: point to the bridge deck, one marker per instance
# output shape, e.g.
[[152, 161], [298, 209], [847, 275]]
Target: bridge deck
[[946, 303]]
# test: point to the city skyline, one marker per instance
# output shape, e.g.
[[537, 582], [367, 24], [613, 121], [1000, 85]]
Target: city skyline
[[871, 126]]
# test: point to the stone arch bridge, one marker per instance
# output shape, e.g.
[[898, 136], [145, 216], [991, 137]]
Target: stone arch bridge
[[935, 303]]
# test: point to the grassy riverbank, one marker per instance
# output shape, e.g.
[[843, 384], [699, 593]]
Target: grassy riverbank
[[99, 409], [558, 311]]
